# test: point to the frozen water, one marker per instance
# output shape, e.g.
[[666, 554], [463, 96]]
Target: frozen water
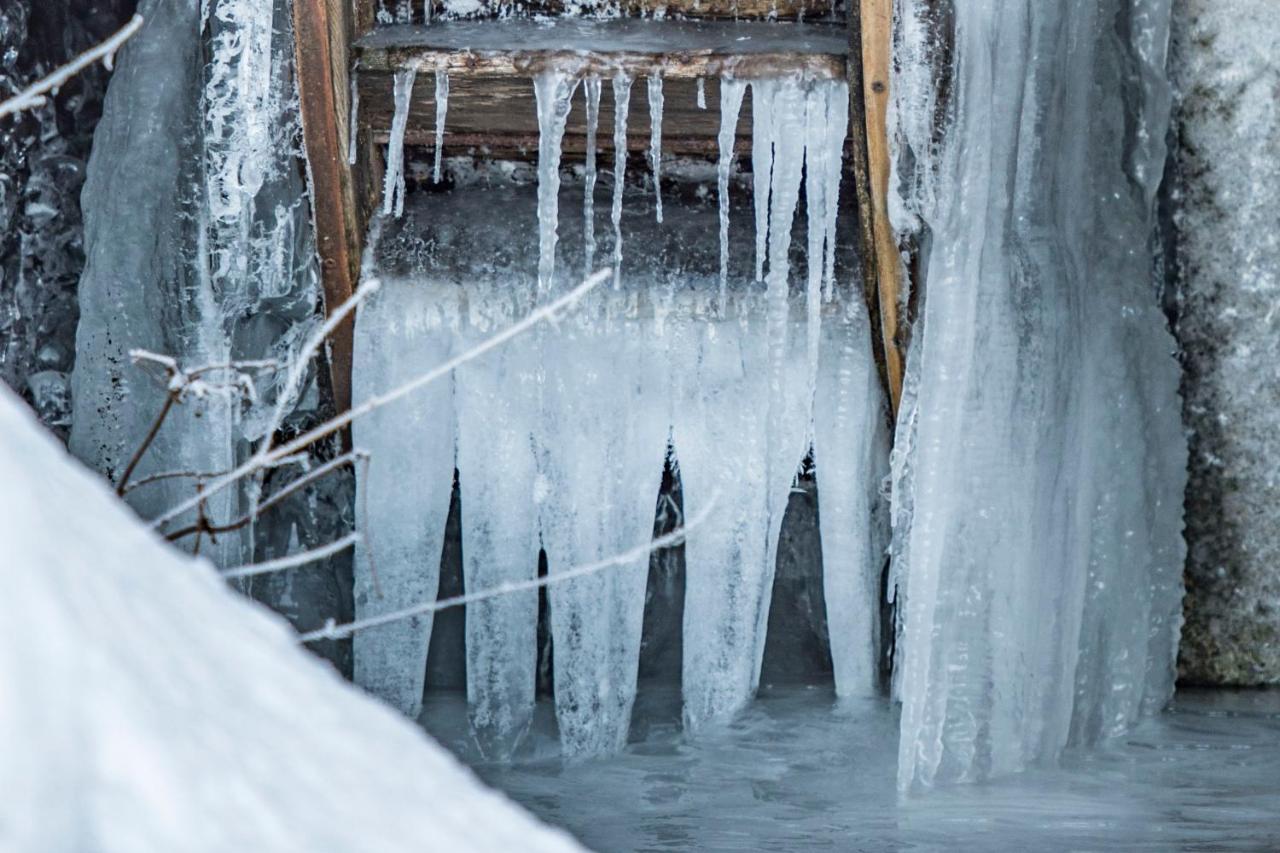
[[762, 163], [851, 454], [404, 492], [442, 112], [731, 93], [655, 139], [393, 188], [1043, 546], [554, 91], [621, 106], [602, 442], [592, 88], [497, 402]]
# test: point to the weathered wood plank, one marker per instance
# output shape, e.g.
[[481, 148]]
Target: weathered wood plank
[[772, 10], [876, 32], [675, 49], [322, 38]]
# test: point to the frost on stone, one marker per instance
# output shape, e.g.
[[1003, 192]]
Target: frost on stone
[[1039, 566]]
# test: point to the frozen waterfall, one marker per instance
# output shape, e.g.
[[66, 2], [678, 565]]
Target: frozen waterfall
[[1040, 560], [562, 436]]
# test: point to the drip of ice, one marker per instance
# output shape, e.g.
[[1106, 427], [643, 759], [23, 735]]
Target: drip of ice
[[589, 186], [393, 187], [404, 11], [731, 93], [655, 139], [603, 440], [554, 92], [702, 93], [621, 107], [1043, 547], [442, 111], [411, 463], [761, 163], [353, 120], [851, 451], [497, 405]]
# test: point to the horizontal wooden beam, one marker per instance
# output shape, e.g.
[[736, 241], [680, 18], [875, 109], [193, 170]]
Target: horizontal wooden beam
[[521, 47], [737, 10]]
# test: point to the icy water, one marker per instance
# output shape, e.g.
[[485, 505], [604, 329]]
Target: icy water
[[799, 771]]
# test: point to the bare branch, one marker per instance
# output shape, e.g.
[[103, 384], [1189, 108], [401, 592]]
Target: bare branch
[[266, 455], [297, 459], [293, 560], [123, 485], [36, 94], [333, 631]]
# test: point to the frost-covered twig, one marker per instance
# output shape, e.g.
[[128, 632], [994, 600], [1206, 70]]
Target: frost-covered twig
[[333, 631], [36, 94], [296, 459], [203, 525], [293, 560], [266, 455]]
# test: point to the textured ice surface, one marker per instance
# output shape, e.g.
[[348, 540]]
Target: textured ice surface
[[597, 395], [1228, 252], [195, 240], [1043, 550], [403, 499], [160, 711]]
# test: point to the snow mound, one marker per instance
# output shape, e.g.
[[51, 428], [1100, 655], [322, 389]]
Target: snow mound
[[145, 706]]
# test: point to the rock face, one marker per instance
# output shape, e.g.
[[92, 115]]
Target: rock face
[[1227, 223]]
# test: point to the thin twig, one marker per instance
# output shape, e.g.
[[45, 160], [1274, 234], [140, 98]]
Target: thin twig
[[303, 481], [35, 95], [293, 560], [123, 486], [333, 631], [297, 459], [260, 459]]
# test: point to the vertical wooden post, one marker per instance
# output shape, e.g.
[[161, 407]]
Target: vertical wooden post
[[874, 22], [322, 35]]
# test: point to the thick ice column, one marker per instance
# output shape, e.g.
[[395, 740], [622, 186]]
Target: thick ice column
[[1046, 468], [405, 493], [602, 445], [721, 404], [497, 405], [851, 456]]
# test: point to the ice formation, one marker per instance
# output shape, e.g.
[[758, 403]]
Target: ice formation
[[393, 188], [1043, 546], [561, 436], [162, 711], [442, 112], [655, 139], [621, 108], [225, 271]]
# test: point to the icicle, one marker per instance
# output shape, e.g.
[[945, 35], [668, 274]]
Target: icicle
[[353, 129], [621, 107], [837, 132], [589, 189], [442, 110], [404, 12], [761, 163], [393, 185], [702, 93], [731, 92], [655, 138], [554, 91], [816, 156]]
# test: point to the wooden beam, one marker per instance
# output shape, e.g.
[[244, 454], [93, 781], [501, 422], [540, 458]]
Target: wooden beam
[[322, 37], [876, 35]]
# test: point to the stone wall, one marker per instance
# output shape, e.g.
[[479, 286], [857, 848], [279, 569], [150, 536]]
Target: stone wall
[[1226, 202]]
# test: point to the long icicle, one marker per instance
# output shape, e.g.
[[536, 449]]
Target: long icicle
[[731, 93], [816, 156], [621, 107], [353, 125], [554, 91], [393, 184], [655, 138], [837, 131], [761, 164], [442, 110], [589, 189]]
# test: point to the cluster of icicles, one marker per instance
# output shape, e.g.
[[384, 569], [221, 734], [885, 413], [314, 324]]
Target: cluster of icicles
[[560, 439]]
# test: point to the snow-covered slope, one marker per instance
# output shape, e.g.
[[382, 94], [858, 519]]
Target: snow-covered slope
[[144, 706]]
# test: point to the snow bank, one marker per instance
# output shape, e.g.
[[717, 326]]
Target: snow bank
[[144, 706]]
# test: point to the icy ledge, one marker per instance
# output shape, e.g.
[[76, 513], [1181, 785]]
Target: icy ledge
[[146, 707]]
